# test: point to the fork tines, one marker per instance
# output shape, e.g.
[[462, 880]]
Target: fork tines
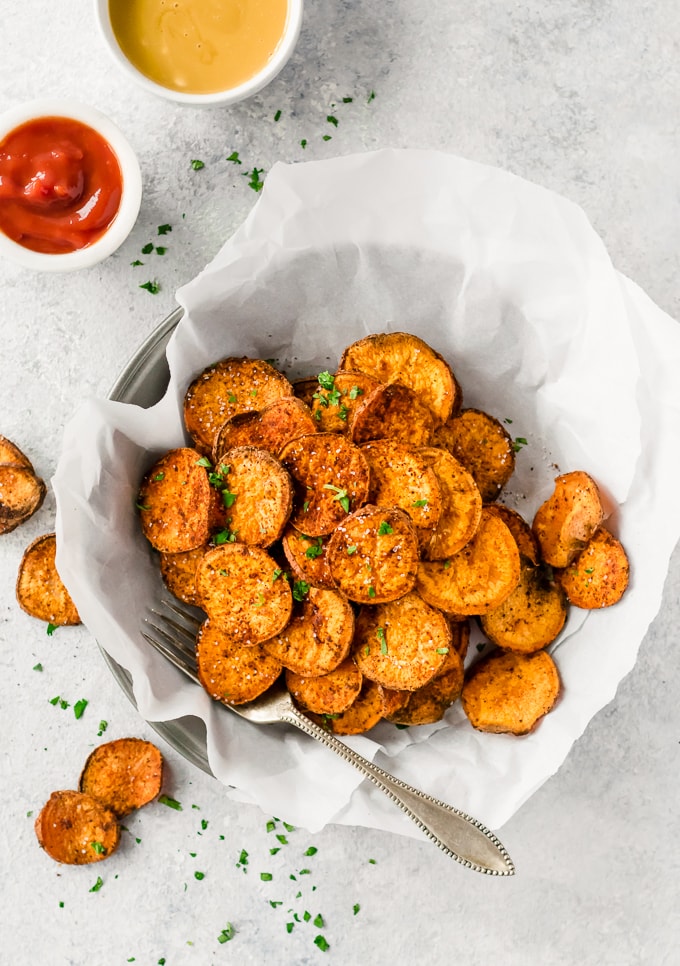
[[174, 639]]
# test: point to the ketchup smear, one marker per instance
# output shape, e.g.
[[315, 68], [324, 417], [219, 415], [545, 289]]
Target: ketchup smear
[[60, 185]]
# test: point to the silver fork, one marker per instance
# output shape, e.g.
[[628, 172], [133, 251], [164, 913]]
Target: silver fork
[[459, 835]]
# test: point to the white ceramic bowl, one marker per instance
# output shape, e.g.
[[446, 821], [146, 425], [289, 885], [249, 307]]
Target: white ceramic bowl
[[229, 96], [122, 224]]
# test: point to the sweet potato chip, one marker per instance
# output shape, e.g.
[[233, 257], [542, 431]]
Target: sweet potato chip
[[40, 591], [509, 692], [21, 494], [336, 398], [527, 544], [393, 412], [331, 478], [76, 829], [10, 453], [429, 703], [461, 505], [482, 445], [230, 672], [401, 644], [269, 428], [531, 617], [230, 386], [566, 521], [123, 775], [406, 359], [373, 554], [598, 576], [307, 558], [257, 493], [363, 714], [477, 579], [319, 635], [178, 571], [394, 701], [402, 477], [243, 592], [331, 693], [176, 502]]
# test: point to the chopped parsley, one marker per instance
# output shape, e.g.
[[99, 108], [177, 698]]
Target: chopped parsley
[[355, 392], [255, 182], [199, 875], [37, 667], [197, 165], [170, 802], [266, 876], [98, 884], [147, 249], [419, 503], [98, 848], [352, 549], [518, 443], [321, 943], [371, 591], [277, 116], [380, 634], [152, 287], [300, 589], [234, 158], [224, 536], [340, 495], [79, 707], [385, 528], [164, 229], [332, 120], [315, 550], [226, 934], [50, 629], [103, 725]]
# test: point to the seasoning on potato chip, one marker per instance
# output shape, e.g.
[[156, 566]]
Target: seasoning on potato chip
[[330, 476], [598, 576], [178, 571], [393, 412], [508, 692], [21, 494], [230, 672], [336, 398], [461, 505], [40, 590], [123, 775], [176, 502], [243, 592], [269, 428], [480, 577], [307, 558], [430, 702], [480, 442], [363, 714], [230, 386], [318, 637], [76, 829], [257, 494], [566, 521], [373, 555], [406, 359], [531, 617], [329, 693], [402, 477]]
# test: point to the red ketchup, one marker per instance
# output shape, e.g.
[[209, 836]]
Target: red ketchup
[[60, 185]]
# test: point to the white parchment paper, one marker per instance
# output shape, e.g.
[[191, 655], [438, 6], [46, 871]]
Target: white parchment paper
[[512, 285]]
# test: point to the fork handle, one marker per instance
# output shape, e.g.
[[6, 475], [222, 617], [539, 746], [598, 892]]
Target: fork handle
[[459, 835]]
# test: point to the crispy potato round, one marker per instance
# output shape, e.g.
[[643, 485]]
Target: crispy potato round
[[331, 693], [178, 571], [480, 442], [21, 494], [373, 555], [76, 829], [531, 617], [335, 399], [509, 692], [598, 576], [527, 544], [363, 714], [461, 505], [401, 644], [176, 502], [393, 412], [10, 453], [429, 703], [406, 359], [239, 589], [269, 428], [258, 494], [230, 386], [40, 591], [307, 557], [477, 579], [393, 701], [123, 775], [566, 521], [230, 672], [318, 637], [460, 634], [402, 477], [331, 478]]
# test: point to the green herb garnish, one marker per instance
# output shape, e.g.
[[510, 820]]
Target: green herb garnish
[[300, 589], [152, 287], [385, 528], [79, 707], [197, 165], [170, 802]]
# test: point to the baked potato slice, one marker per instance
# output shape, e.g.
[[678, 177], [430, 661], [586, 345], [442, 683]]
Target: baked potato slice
[[230, 672], [40, 591], [307, 558], [461, 505], [243, 592], [230, 386], [76, 829], [401, 644], [176, 502], [479, 578], [509, 692], [598, 576], [257, 494], [363, 714], [336, 398], [21, 494], [178, 571], [319, 635], [123, 775], [330, 693], [10, 453], [393, 412], [531, 617], [481, 443], [373, 555], [430, 703], [406, 359], [402, 477], [566, 521], [330, 477], [269, 428], [527, 544]]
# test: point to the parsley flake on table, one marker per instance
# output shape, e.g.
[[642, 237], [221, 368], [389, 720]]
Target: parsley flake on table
[[37, 667], [151, 286], [518, 443], [197, 165], [98, 884], [226, 934], [164, 229], [277, 116], [51, 628], [256, 183], [147, 249], [234, 158], [321, 942], [332, 120], [303, 143], [136, 263], [79, 707], [170, 802]]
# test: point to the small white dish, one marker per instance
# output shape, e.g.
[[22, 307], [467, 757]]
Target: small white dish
[[126, 215], [231, 95]]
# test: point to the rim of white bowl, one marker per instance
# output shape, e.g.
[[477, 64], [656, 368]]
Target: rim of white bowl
[[233, 95], [131, 197]]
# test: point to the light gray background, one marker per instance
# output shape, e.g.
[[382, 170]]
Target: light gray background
[[581, 96]]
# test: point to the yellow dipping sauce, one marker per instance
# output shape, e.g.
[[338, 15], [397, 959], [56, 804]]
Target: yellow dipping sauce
[[198, 46]]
